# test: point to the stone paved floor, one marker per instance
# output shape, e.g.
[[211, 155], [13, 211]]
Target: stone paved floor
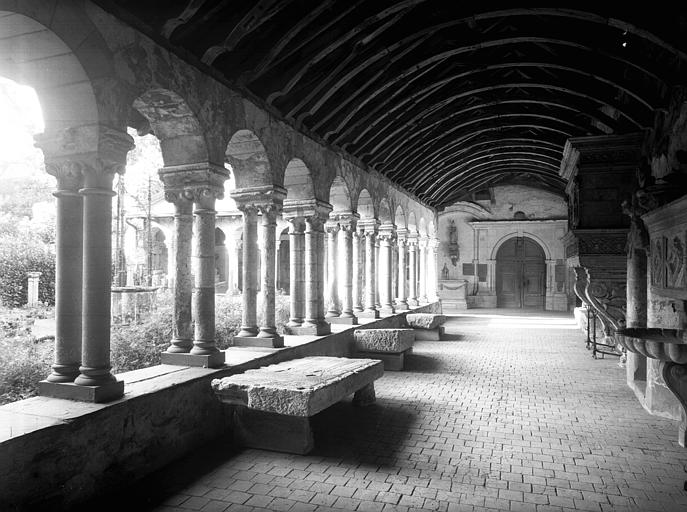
[[509, 414]]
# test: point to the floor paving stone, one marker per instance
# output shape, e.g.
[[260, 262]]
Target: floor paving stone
[[496, 417]]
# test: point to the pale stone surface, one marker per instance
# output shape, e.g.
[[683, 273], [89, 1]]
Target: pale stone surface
[[384, 340], [301, 387], [425, 320]]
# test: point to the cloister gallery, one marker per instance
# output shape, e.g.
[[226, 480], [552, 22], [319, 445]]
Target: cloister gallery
[[366, 159]]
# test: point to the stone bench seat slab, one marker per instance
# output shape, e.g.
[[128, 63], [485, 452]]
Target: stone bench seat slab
[[425, 320], [384, 340], [300, 387]]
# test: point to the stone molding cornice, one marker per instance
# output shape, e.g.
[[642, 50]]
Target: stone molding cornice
[[368, 224], [259, 196], [306, 208]]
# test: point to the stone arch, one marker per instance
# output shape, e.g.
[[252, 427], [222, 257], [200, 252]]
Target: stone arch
[[431, 231], [544, 246], [173, 122], [248, 160], [385, 212], [60, 60], [298, 181], [400, 218], [422, 227], [412, 222], [339, 195], [365, 207]]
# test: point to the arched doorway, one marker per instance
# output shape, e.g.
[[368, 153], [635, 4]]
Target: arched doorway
[[520, 274]]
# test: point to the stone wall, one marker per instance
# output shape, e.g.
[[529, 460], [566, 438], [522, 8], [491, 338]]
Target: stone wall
[[69, 451]]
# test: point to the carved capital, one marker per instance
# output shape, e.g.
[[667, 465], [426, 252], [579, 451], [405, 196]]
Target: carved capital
[[69, 174], [269, 212], [297, 225]]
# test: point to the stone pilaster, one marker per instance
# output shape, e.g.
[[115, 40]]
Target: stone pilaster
[[422, 245], [194, 188], [68, 271], [401, 303], [315, 213], [370, 233], [386, 238], [267, 201], [332, 230], [357, 273], [412, 271]]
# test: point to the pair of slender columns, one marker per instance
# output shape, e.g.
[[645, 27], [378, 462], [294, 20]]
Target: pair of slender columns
[[81, 368], [369, 232], [194, 189], [401, 303], [307, 271], [412, 271], [250, 333], [340, 256], [386, 237]]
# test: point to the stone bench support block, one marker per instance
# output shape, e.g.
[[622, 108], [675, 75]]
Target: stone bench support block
[[425, 320], [429, 334], [384, 340], [393, 361], [274, 404]]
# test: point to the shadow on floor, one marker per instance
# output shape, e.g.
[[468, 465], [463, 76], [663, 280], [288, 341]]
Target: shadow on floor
[[367, 435], [152, 490], [421, 363]]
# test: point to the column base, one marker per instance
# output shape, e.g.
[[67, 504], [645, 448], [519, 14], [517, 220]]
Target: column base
[[68, 390], [347, 320], [384, 312], [332, 314], [214, 360], [369, 314], [254, 341], [311, 330], [413, 303]]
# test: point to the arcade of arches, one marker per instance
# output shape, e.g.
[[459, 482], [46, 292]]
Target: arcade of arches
[[366, 161]]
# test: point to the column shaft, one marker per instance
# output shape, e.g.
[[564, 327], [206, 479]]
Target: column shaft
[[412, 274], [332, 271], [68, 282], [269, 225], [402, 302], [249, 325], [357, 275], [423, 271], [183, 285], [370, 273], [97, 268], [385, 273], [203, 310], [297, 271], [346, 237]]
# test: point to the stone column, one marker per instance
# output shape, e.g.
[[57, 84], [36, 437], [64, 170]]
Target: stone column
[[433, 245], [182, 332], [297, 271], [423, 270], [203, 304], [370, 271], [249, 324], [378, 303], [68, 272], [356, 274], [394, 272], [346, 233], [412, 271], [332, 229], [314, 322], [386, 234], [268, 330], [402, 303]]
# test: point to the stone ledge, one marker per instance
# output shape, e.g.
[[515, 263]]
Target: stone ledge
[[214, 360], [256, 341], [70, 391]]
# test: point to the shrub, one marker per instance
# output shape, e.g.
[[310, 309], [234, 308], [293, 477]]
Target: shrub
[[18, 256], [23, 362]]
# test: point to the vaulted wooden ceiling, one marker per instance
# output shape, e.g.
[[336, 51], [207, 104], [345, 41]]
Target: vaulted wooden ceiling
[[443, 97]]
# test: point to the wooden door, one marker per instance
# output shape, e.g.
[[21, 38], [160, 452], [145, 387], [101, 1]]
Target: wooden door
[[520, 274]]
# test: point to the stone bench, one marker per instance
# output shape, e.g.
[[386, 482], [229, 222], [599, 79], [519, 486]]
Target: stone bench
[[427, 326], [389, 345], [275, 403]]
